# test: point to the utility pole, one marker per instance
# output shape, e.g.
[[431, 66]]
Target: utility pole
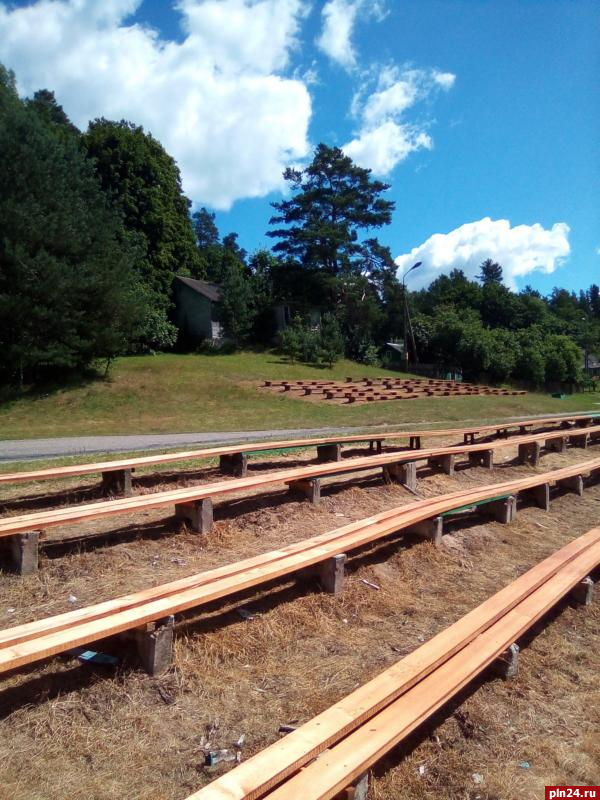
[[405, 316]]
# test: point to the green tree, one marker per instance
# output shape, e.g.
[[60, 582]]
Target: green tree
[[68, 293], [490, 272], [143, 180], [237, 303], [334, 203], [331, 343]]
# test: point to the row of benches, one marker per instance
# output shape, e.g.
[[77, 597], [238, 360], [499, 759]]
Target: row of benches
[[195, 504]]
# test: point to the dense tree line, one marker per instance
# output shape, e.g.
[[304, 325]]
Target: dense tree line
[[94, 226]]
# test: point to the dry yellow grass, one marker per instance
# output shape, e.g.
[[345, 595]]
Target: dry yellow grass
[[81, 732]]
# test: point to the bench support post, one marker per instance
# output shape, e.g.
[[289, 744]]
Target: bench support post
[[375, 445], [541, 496], [574, 483], [117, 482], [329, 452], [404, 473], [469, 438], [507, 665], [445, 463], [584, 592], [234, 464], [503, 510], [580, 440], [198, 515], [24, 552], [154, 643], [530, 453], [431, 529], [415, 443], [309, 487], [556, 445], [359, 790], [482, 458]]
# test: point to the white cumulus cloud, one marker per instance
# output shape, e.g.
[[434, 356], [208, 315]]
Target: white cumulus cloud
[[384, 137], [219, 100], [339, 20], [520, 250]]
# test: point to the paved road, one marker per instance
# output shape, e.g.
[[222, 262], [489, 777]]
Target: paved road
[[31, 449]]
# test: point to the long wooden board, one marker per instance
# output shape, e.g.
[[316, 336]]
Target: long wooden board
[[431, 673], [41, 520], [334, 770], [213, 452], [43, 638]]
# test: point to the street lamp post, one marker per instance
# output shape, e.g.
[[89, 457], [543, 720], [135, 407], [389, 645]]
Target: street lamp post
[[405, 315]]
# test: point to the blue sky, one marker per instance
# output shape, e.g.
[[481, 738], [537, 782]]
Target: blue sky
[[483, 116]]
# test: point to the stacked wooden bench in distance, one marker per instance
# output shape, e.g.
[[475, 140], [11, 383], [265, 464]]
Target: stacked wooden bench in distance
[[195, 505], [150, 612]]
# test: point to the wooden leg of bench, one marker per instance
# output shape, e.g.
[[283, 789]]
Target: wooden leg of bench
[[234, 464], [198, 515], [415, 443], [329, 452], [375, 446], [310, 488], [482, 458], [541, 496], [117, 482], [329, 573], [584, 592], [445, 463], [431, 529], [154, 644], [507, 665], [24, 552], [503, 510], [574, 483]]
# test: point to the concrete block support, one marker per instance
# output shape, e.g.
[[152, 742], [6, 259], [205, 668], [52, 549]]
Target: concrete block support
[[580, 440], [404, 473], [584, 592], [445, 463], [198, 515], [530, 453], [154, 644], [503, 510], [574, 483], [556, 445], [329, 452], [24, 551], [329, 573], [234, 464], [310, 488], [359, 789], [507, 665], [431, 529], [117, 482], [541, 496], [482, 458]]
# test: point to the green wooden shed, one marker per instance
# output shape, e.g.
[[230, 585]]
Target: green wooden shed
[[197, 309]]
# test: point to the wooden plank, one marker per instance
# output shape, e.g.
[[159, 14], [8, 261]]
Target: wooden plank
[[41, 520], [341, 764], [165, 458]]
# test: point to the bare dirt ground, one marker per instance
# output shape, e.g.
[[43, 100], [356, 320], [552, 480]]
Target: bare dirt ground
[[79, 731]]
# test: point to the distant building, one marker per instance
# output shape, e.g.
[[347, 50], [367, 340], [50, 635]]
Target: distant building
[[197, 310], [593, 366]]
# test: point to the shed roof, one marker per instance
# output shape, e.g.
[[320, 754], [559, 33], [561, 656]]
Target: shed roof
[[209, 290]]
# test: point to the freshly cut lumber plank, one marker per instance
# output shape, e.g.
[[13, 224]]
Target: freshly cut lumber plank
[[189, 592], [252, 778], [212, 452], [44, 519], [334, 770]]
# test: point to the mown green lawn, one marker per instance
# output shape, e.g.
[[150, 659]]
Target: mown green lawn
[[181, 393]]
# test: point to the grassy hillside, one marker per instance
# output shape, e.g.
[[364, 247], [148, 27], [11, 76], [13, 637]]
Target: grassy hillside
[[175, 393]]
